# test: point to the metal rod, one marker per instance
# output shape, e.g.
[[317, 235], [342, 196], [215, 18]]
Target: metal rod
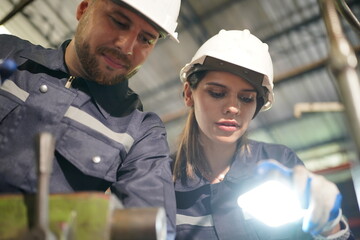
[[346, 12], [45, 146], [343, 64]]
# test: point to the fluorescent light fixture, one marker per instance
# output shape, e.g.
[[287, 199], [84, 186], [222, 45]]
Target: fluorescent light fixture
[[272, 203], [3, 30]]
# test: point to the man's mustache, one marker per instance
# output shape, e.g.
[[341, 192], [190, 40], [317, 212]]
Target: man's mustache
[[116, 53]]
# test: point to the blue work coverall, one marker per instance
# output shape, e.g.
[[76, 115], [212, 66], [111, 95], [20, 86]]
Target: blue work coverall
[[210, 211], [102, 138]]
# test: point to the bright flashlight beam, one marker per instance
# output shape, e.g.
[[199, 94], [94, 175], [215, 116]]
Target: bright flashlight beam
[[273, 203]]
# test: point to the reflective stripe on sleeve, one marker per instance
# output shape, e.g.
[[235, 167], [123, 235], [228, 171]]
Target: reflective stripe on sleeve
[[86, 119], [204, 221], [11, 87], [77, 115]]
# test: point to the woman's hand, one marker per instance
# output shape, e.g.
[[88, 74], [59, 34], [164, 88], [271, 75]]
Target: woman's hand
[[319, 196]]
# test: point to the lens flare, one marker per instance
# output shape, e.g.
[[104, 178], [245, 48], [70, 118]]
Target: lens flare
[[272, 203]]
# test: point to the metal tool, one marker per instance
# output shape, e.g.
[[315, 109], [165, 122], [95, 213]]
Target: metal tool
[[45, 146]]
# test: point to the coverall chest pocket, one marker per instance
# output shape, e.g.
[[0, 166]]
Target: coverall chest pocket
[[90, 155]]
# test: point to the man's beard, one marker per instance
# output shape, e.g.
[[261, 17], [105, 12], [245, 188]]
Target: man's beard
[[91, 67]]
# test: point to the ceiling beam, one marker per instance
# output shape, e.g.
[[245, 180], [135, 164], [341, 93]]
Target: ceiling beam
[[17, 8]]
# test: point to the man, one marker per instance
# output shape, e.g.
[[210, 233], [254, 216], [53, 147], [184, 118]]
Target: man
[[79, 93]]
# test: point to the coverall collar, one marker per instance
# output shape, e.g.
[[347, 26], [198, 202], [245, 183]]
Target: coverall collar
[[115, 100]]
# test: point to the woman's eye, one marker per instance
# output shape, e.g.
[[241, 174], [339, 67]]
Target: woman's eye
[[246, 99], [216, 94]]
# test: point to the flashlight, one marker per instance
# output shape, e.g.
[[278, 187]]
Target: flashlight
[[273, 202]]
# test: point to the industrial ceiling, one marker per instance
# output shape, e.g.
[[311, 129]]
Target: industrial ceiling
[[308, 114]]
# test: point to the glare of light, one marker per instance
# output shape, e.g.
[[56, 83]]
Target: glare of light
[[272, 203], [3, 30]]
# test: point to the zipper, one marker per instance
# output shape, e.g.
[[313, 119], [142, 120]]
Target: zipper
[[69, 82]]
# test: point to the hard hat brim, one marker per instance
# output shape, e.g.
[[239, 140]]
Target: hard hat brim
[[214, 64]]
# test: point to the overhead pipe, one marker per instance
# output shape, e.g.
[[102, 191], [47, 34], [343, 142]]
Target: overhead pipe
[[303, 107]]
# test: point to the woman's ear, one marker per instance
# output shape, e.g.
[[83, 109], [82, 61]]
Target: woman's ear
[[188, 97]]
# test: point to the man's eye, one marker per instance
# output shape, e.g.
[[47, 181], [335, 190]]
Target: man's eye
[[216, 94], [119, 23], [146, 40]]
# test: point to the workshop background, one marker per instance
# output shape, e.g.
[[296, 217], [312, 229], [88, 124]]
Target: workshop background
[[307, 115]]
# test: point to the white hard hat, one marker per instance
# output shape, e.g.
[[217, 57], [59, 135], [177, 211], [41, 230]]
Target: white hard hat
[[240, 53], [163, 13]]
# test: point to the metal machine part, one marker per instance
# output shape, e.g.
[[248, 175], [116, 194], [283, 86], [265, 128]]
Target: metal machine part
[[45, 146], [125, 224]]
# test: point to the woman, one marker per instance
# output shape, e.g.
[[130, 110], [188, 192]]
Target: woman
[[228, 81]]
